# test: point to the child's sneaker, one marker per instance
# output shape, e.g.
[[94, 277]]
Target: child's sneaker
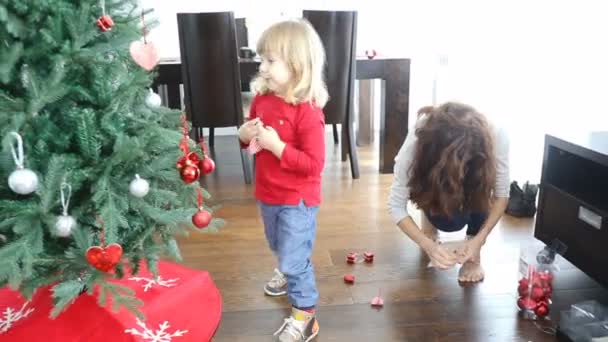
[[277, 286], [295, 330]]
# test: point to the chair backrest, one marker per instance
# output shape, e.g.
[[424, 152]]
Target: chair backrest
[[242, 35], [210, 69], [338, 31]]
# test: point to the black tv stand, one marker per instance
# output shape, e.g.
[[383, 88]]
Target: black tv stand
[[573, 208], [573, 200]]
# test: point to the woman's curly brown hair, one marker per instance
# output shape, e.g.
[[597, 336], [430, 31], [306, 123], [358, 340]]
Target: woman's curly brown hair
[[454, 165]]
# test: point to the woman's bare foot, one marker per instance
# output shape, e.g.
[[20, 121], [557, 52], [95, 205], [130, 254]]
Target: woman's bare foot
[[471, 272]]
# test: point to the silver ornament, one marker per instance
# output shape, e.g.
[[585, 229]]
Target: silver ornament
[[153, 100], [64, 225], [22, 181], [139, 187]]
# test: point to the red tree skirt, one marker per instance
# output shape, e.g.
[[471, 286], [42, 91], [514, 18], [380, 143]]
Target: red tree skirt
[[182, 305]]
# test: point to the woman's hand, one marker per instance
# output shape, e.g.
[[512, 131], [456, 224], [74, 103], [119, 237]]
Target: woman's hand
[[440, 256], [471, 249]]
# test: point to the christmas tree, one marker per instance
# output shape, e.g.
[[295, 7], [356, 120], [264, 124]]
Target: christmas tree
[[88, 158]]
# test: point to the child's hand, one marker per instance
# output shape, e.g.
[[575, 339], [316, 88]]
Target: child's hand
[[248, 130], [268, 139]]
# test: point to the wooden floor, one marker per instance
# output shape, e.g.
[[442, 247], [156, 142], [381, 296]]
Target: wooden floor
[[421, 304]]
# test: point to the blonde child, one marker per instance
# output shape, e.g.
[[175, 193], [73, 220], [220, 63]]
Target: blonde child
[[288, 125]]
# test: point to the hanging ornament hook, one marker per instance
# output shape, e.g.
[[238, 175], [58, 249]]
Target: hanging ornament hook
[[204, 149], [143, 26], [199, 198], [18, 155], [183, 145], [102, 233], [103, 7], [66, 194]]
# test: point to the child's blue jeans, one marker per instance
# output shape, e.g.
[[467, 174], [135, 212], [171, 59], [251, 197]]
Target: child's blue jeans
[[290, 231]]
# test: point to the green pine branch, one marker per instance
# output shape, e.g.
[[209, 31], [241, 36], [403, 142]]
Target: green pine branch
[[31, 85], [90, 147], [112, 218], [172, 249], [78, 28], [9, 58], [64, 294], [15, 26], [51, 186]]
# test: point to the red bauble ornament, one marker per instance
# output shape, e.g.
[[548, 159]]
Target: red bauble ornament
[[201, 218], [548, 291], [104, 258], [537, 293], [520, 303], [523, 290], [536, 281], [527, 303], [545, 278], [542, 309], [524, 282], [188, 167], [190, 174], [105, 23], [189, 159], [207, 165], [349, 279]]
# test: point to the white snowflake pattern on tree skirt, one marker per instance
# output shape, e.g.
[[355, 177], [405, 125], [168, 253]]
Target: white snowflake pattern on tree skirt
[[150, 282], [10, 316], [160, 335]]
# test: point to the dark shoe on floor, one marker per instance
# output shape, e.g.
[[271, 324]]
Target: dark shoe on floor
[[522, 201]]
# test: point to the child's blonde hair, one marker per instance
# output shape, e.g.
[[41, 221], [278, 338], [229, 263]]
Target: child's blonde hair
[[296, 43]]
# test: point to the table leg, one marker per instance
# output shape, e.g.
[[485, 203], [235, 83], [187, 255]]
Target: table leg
[[365, 122], [394, 112]]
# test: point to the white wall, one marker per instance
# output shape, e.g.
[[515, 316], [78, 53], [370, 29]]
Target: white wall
[[534, 66]]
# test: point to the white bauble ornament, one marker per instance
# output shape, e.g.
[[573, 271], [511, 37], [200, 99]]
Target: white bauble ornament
[[23, 181], [139, 187], [64, 225], [153, 100]]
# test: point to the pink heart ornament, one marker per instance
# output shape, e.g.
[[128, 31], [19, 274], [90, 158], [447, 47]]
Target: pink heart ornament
[[254, 147], [144, 54], [377, 302]]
